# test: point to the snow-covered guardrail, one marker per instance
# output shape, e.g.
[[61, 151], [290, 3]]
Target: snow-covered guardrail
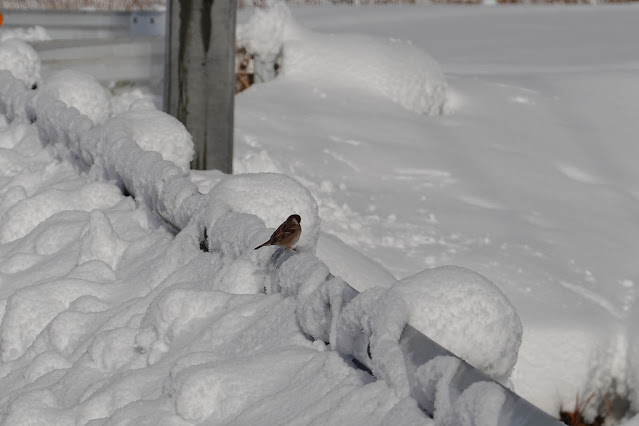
[[371, 326]]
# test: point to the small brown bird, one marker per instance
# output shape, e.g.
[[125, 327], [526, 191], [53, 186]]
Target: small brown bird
[[287, 234]]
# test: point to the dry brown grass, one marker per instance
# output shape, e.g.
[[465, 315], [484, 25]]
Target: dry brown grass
[[243, 70], [81, 4], [576, 416]]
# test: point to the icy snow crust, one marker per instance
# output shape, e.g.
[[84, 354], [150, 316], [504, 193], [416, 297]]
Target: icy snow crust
[[109, 316]]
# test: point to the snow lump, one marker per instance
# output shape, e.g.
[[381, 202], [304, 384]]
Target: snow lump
[[153, 130], [80, 90], [467, 314], [21, 60]]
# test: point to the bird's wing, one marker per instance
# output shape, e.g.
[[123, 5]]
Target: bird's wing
[[284, 232]]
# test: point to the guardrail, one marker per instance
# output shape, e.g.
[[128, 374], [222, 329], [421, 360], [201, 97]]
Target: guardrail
[[116, 59], [169, 192], [69, 24]]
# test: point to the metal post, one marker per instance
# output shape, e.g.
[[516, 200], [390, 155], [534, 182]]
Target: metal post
[[220, 69], [199, 87]]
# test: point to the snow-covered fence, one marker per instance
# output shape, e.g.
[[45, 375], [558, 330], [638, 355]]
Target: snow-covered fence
[[371, 326]]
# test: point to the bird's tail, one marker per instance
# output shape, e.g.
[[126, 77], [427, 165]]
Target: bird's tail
[[262, 245]]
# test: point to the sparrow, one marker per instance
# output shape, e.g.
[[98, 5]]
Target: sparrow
[[287, 234]]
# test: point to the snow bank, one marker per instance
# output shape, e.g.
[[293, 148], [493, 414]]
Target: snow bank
[[79, 90], [21, 61], [35, 33], [390, 68], [467, 314]]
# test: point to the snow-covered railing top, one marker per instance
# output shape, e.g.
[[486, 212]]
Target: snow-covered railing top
[[372, 326]]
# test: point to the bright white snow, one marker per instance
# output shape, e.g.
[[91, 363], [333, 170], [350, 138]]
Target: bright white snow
[[390, 68], [17, 57], [530, 181], [109, 316], [81, 91]]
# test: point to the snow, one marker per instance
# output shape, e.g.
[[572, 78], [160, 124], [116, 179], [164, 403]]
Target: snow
[[123, 313], [153, 130], [79, 90], [113, 310], [17, 57], [28, 213], [245, 193], [527, 180], [479, 404], [266, 31], [390, 68], [467, 314]]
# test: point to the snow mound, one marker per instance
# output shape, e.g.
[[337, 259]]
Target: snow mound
[[80, 90], [27, 213], [273, 198], [266, 31], [21, 60], [391, 68], [123, 100], [153, 130], [35, 33], [467, 314]]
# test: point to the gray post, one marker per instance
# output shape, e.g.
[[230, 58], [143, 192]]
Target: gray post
[[200, 76]]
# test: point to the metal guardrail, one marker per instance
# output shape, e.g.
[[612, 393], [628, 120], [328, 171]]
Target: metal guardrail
[[116, 59], [70, 24], [111, 46]]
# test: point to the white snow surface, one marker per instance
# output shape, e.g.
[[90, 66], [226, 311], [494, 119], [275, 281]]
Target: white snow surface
[[389, 68], [153, 130], [529, 180], [80, 90], [19, 58], [110, 317], [464, 312], [272, 197]]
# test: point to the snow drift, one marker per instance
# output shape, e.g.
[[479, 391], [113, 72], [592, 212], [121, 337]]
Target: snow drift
[[391, 68]]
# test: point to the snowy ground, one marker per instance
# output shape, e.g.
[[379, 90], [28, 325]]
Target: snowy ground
[[528, 178]]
